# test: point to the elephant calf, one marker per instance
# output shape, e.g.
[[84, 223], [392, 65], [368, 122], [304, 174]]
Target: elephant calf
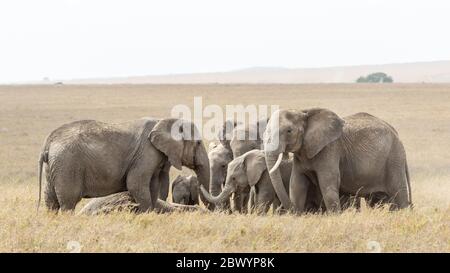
[[219, 158], [235, 139], [250, 170], [185, 190]]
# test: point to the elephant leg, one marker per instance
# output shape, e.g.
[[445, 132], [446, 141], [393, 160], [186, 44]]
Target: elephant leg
[[298, 188], [252, 199], [240, 201], [68, 187], [399, 191], [377, 199], [236, 199], [397, 179], [51, 200], [164, 185], [245, 200], [263, 201], [138, 184], [276, 205], [329, 182], [348, 201], [155, 186], [314, 203], [164, 182], [225, 206]]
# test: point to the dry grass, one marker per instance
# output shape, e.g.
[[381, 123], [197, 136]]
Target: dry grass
[[421, 114]]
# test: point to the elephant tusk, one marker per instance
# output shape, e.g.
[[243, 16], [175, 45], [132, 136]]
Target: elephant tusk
[[277, 164], [205, 192]]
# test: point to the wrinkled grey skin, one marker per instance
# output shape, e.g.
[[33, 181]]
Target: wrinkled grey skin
[[185, 190], [235, 139], [246, 138], [219, 157], [123, 201], [358, 155], [87, 158], [249, 170]]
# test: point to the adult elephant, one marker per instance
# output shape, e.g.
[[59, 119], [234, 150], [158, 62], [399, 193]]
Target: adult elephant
[[235, 139], [357, 155], [219, 158], [92, 159]]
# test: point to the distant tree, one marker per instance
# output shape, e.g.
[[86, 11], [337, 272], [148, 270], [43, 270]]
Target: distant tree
[[361, 79], [378, 77]]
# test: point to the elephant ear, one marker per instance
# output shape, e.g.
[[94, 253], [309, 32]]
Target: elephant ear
[[194, 189], [176, 181], [168, 137], [323, 127], [255, 164]]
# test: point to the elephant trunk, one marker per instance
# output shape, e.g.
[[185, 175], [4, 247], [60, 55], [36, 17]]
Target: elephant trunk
[[273, 150], [222, 197], [215, 185], [273, 160], [202, 172]]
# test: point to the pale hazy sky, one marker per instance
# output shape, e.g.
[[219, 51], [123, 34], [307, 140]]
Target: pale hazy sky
[[63, 39]]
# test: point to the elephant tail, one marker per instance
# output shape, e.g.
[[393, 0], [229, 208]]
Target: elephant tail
[[43, 157], [408, 180]]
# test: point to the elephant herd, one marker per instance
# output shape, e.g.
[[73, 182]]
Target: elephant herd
[[300, 161]]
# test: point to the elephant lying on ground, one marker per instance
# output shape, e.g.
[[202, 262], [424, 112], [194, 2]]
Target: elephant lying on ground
[[185, 190], [235, 140], [249, 170], [358, 155], [87, 158], [123, 201]]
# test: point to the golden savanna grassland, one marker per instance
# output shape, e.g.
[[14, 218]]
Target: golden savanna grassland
[[420, 113]]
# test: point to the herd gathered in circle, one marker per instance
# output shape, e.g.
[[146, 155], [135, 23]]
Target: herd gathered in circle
[[321, 163]]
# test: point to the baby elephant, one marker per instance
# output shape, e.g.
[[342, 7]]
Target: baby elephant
[[250, 169], [185, 190]]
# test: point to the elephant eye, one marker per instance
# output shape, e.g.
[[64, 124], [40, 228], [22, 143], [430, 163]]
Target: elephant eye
[[289, 131], [234, 178], [223, 166], [199, 142]]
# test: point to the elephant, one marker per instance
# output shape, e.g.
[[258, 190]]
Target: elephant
[[241, 138], [359, 155], [235, 139], [219, 157], [88, 158], [250, 170], [185, 190], [123, 201]]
